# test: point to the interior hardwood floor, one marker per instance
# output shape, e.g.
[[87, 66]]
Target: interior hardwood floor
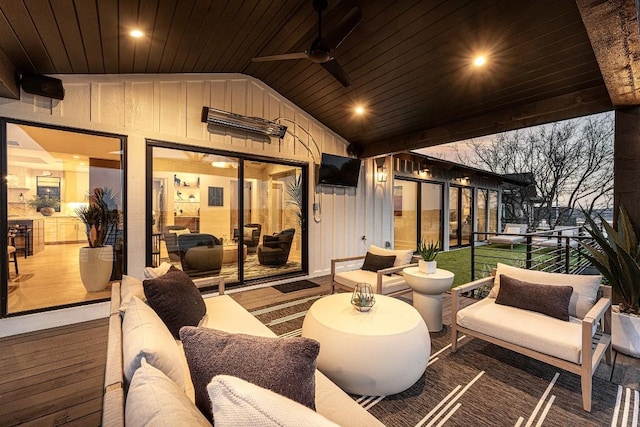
[[49, 278], [55, 377]]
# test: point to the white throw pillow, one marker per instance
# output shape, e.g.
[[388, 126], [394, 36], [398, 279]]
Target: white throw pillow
[[403, 257], [144, 334], [130, 287], [585, 288], [236, 402], [153, 272], [154, 400], [512, 230]]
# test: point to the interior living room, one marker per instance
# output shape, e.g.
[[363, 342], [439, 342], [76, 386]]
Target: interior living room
[[242, 146]]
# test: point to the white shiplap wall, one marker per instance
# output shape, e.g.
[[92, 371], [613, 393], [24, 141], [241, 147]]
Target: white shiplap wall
[[168, 107]]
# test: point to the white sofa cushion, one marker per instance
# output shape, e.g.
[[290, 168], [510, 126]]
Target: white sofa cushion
[[236, 402], [130, 287], [153, 272], [154, 400], [525, 328], [145, 335], [585, 288], [390, 283], [403, 257]]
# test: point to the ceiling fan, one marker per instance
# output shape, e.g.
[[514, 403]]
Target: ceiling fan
[[321, 50]]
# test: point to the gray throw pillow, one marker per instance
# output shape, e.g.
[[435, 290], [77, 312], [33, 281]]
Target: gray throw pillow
[[285, 366], [176, 300], [377, 262], [551, 300]]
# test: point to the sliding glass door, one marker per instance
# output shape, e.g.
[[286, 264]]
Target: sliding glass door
[[460, 216], [218, 214], [50, 173]]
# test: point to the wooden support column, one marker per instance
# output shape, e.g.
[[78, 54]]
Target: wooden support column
[[627, 162]]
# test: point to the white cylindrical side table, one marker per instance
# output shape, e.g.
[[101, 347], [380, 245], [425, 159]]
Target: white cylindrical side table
[[375, 353], [427, 293]]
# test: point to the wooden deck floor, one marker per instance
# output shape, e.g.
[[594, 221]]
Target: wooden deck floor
[[55, 377]]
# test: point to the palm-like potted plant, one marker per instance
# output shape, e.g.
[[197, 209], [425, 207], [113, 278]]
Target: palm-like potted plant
[[616, 254], [428, 252], [46, 205], [101, 219]]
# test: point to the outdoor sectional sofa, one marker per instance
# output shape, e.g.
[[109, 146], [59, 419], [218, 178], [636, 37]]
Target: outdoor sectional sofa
[[224, 314], [521, 319]]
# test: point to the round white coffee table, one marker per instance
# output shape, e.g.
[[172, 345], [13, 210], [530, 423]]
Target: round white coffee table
[[376, 353], [230, 253], [427, 293]]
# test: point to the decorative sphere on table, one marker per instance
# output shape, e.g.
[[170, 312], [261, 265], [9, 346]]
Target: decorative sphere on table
[[363, 297]]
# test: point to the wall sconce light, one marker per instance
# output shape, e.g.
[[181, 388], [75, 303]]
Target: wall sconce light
[[381, 170], [381, 174]]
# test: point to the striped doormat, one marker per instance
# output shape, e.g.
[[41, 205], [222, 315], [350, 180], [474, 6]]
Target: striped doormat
[[481, 385]]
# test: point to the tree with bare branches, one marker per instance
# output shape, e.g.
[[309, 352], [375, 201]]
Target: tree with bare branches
[[571, 162]]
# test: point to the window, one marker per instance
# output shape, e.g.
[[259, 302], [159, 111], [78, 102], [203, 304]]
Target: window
[[417, 206], [50, 172]]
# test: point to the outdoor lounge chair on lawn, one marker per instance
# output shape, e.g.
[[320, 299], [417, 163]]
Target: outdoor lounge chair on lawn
[[512, 235]]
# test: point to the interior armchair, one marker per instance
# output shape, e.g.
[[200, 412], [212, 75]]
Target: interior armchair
[[200, 254], [170, 236], [275, 249], [251, 236]]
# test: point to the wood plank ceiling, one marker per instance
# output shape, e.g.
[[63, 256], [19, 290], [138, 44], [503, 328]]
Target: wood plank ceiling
[[409, 59]]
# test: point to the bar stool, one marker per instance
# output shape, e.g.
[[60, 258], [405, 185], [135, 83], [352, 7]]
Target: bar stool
[[23, 232], [12, 250]]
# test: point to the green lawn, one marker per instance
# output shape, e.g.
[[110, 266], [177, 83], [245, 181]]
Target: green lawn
[[457, 261]]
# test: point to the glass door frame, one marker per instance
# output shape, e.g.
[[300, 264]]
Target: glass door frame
[[4, 220], [459, 219], [418, 196], [151, 143]]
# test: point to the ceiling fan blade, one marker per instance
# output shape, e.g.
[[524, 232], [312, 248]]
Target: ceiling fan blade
[[338, 72], [284, 56], [336, 36]]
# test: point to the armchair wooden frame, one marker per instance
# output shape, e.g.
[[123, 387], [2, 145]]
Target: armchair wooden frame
[[594, 345], [380, 274]]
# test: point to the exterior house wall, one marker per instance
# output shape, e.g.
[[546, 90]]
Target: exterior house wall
[[168, 108]]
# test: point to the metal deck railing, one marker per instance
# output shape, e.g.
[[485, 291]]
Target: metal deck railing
[[550, 251]]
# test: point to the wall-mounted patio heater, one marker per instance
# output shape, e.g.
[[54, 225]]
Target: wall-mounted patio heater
[[236, 121]]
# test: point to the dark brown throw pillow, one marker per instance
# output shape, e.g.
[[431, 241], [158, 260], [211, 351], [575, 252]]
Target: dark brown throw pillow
[[377, 262], [176, 300], [551, 300], [285, 366]]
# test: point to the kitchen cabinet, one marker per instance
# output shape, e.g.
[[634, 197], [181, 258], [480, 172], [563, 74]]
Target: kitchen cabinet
[[67, 229]]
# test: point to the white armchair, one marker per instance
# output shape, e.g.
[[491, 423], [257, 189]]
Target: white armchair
[[577, 345], [385, 281]]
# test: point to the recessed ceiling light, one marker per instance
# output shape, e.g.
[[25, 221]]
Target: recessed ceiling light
[[479, 61], [359, 110], [136, 33], [76, 157]]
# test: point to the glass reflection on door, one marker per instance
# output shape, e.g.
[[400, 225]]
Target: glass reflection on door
[[273, 219], [454, 231]]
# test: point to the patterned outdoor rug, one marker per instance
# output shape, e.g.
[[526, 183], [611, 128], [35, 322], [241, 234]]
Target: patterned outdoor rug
[[481, 385]]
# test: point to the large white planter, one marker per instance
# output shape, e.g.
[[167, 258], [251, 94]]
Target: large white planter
[[95, 267], [625, 333]]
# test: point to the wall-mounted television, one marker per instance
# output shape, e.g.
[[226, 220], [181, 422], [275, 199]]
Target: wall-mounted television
[[339, 171]]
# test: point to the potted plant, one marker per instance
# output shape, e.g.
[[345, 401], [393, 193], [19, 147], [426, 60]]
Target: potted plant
[[428, 252], [616, 254], [46, 205], [101, 219]]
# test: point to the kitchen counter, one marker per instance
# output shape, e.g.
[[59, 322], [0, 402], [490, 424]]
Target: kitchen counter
[[35, 234]]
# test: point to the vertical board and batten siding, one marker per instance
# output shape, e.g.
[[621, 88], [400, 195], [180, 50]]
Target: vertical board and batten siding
[[168, 108]]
